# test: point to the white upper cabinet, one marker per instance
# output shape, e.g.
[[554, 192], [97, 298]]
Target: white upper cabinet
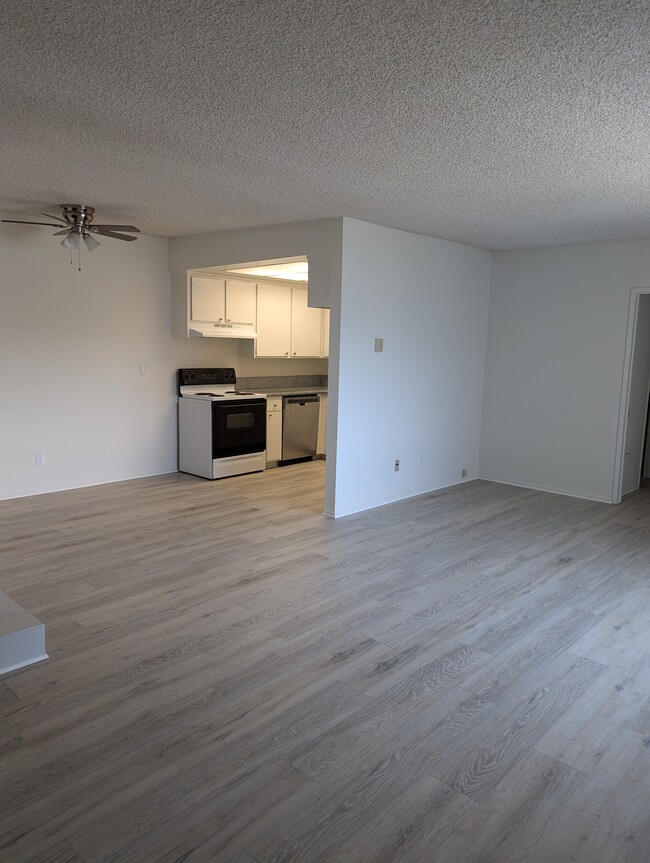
[[220, 300], [208, 299], [273, 321], [241, 304], [278, 312], [306, 326], [286, 326]]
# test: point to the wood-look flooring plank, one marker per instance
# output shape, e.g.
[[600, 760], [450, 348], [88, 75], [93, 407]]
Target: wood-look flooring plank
[[55, 796], [190, 811], [62, 852], [492, 743], [135, 655], [254, 740], [584, 733], [619, 638], [529, 654], [402, 712], [14, 753], [517, 817], [413, 827], [607, 819], [329, 817]]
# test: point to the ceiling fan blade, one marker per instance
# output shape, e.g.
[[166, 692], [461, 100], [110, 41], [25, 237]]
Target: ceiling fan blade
[[50, 216], [60, 233], [116, 228], [104, 233], [22, 222]]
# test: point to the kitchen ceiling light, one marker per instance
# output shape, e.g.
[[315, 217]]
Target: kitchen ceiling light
[[295, 271]]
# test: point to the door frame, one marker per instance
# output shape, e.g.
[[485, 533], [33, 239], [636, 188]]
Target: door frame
[[617, 486]]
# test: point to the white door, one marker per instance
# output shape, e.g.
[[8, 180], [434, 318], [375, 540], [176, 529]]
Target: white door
[[637, 410]]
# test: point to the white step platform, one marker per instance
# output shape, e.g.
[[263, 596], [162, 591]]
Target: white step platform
[[22, 636]]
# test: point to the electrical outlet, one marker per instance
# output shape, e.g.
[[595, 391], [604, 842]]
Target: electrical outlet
[[422, 460], [39, 458], [396, 465], [143, 369], [463, 472]]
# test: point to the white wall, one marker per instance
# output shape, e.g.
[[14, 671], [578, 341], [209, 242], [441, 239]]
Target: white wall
[[320, 240], [556, 349], [70, 348], [428, 300]]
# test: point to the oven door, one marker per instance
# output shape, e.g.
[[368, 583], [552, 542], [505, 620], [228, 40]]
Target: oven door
[[238, 427]]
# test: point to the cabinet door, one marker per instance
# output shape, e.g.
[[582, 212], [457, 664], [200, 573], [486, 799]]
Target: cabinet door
[[208, 299], [274, 435], [241, 302], [306, 326], [273, 321]]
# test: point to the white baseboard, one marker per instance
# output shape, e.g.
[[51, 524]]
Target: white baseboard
[[55, 489], [547, 489], [395, 499], [24, 664]]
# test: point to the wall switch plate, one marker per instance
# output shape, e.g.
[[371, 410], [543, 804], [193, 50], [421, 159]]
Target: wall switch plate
[[143, 369], [379, 346], [396, 464], [39, 458], [422, 461]]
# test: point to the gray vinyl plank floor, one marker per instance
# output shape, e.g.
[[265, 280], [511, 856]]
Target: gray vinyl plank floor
[[462, 677]]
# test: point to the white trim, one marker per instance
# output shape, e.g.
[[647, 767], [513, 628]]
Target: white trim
[[395, 499], [36, 492], [547, 489], [18, 665], [626, 383]]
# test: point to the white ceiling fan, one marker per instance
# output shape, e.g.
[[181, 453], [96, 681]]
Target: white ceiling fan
[[76, 224]]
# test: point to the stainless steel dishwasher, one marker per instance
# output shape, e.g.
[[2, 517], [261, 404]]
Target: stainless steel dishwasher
[[299, 427]]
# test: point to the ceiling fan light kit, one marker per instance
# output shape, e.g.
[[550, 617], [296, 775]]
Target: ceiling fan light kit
[[76, 221]]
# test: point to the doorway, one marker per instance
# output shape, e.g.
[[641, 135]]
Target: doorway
[[634, 431]]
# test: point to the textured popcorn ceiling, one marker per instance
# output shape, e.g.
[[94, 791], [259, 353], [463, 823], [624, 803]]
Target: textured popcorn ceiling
[[499, 124]]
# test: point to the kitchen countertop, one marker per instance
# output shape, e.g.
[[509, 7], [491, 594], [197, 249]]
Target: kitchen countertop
[[293, 391]]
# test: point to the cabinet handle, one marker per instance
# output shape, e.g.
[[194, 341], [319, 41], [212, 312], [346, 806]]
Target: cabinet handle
[[287, 354], [228, 319], [294, 353]]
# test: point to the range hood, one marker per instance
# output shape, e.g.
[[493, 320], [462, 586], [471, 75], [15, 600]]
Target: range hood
[[223, 331]]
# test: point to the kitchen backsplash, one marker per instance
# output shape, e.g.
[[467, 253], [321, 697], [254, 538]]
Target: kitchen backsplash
[[276, 382]]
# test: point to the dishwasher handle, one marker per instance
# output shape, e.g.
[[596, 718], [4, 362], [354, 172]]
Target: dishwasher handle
[[299, 400]]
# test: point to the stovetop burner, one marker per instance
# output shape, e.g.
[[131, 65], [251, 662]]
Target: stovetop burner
[[222, 383]]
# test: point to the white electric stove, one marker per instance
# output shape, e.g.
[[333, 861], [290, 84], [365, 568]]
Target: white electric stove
[[221, 429]]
